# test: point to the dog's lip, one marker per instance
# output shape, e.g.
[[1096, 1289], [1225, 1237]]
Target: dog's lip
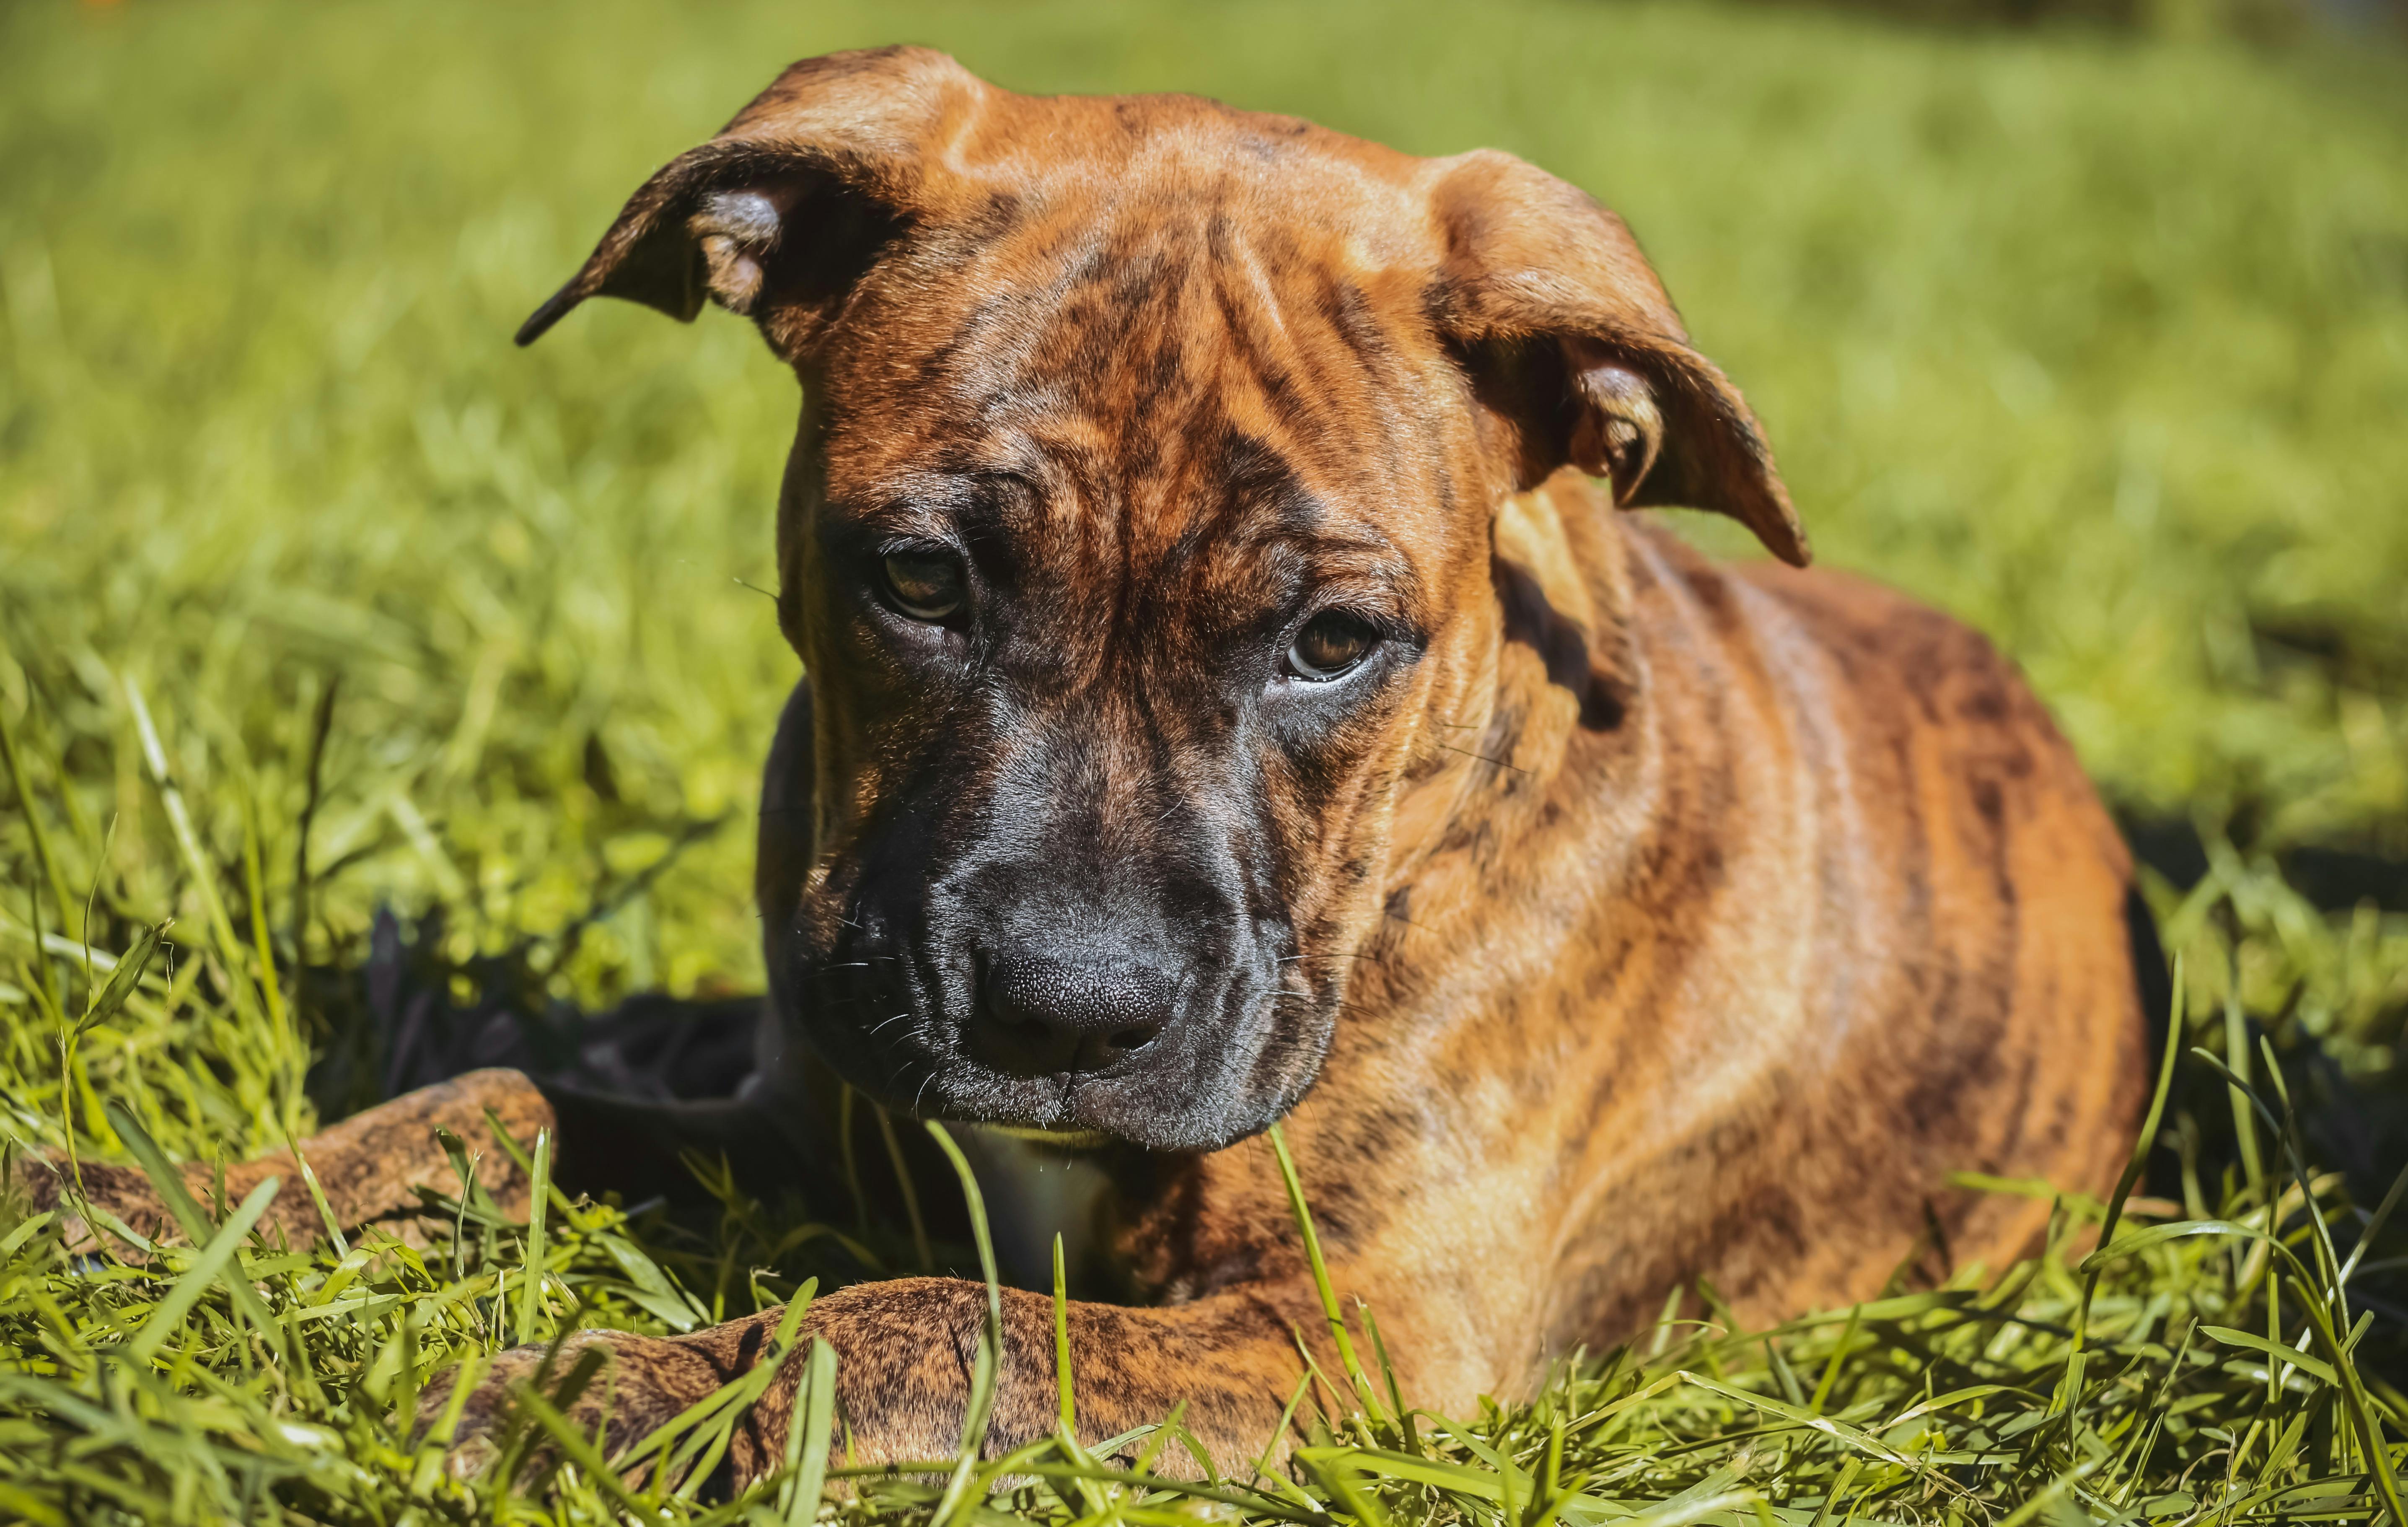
[[1062, 1139], [1059, 1113]]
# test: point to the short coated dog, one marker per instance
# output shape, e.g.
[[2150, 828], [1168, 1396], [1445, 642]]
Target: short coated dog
[[1231, 697]]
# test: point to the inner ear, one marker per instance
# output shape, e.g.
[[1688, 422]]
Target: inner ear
[[778, 237], [1567, 400], [1617, 431], [1660, 422], [737, 232], [786, 251]]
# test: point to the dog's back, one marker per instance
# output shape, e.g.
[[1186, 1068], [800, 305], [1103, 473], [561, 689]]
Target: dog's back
[[1956, 947]]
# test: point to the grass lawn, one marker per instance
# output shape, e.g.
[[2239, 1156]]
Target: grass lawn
[[316, 596]]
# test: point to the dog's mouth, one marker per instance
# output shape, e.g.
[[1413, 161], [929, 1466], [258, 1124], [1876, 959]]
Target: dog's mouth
[[1196, 1089], [1133, 1107], [1067, 1056]]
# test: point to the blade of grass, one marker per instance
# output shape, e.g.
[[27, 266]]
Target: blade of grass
[[814, 1438], [124, 977], [167, 1317], [164, 1179], [1067, 1411], [2374, 1225], [1338, 1334], [690, 1444], [254, 884], [318, 1199], [2236, 1051], [196, 860], [540, 1199], [910, 1195], [990, 1354], [1839, 1354]]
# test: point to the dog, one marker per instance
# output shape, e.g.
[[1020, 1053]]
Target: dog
[[1231, 697]]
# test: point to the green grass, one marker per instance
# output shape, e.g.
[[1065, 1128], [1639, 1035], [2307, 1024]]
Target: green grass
[[2200, 1370], [2100, 342]]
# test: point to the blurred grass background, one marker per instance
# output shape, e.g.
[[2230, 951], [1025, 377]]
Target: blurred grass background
[[2095, 333]]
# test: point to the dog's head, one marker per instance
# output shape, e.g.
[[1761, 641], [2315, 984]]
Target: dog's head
[[1136, 540]]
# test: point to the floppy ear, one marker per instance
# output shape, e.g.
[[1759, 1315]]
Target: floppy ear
[[780, 215], [1546, 295]]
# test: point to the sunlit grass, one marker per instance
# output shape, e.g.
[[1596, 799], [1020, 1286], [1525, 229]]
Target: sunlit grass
[[2202, 1367]]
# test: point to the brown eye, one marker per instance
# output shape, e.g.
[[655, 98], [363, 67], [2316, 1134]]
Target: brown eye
[[1330, 645], [924, 586]]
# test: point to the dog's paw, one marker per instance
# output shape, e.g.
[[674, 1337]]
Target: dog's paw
[[611, 1388], [98, 1202], [904, 1353]]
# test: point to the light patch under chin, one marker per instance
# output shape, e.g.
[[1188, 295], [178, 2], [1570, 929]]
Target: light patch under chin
[[1037, 1185]]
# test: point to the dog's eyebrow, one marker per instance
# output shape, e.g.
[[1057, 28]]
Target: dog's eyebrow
[[1362, 561], [936, 504], [1331, 540], [1356, 566], [1275, 503], [903, 519]]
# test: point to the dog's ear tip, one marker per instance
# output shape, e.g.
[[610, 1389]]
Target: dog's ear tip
[[1786, 539], [555, 309], [1777, 526]]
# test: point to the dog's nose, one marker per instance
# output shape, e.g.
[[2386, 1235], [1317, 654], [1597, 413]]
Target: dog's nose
[[1044, 1017]]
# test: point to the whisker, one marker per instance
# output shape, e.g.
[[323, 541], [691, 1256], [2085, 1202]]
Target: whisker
[[848, 965], [1308, 997], [1484, 757]]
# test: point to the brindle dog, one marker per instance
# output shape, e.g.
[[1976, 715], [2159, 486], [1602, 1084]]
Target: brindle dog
[[1232, 699]]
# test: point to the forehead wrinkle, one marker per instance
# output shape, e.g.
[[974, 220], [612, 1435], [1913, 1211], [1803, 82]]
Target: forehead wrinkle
[[1232, 246], [1038, 342], [1215, 339], [1311, 357], [1262, 487], [1023, 281]]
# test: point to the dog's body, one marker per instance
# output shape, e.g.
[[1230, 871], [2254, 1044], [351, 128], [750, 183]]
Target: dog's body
[[1630, 920]]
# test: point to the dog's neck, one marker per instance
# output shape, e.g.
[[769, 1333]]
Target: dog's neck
[[1550, 717]]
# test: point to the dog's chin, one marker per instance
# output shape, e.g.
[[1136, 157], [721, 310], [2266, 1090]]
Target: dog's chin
[[1095, 1112]]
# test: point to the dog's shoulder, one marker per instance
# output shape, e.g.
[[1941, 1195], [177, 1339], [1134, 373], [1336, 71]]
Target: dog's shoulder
[[1851, 676]]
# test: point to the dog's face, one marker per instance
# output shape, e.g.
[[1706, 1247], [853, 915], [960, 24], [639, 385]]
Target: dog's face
[[1136, 541], [1109, 655]]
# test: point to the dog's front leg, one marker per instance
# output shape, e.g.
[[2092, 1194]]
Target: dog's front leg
[[368, 1166], [905, 1354]]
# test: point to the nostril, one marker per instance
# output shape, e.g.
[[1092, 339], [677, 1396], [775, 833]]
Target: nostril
[[1037, 1016]]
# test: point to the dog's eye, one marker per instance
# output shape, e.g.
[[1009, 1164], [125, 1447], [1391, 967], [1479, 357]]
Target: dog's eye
[[924, 586], [1331, 644]]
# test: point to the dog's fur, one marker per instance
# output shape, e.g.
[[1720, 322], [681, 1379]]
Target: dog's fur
[[1621, 920]]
